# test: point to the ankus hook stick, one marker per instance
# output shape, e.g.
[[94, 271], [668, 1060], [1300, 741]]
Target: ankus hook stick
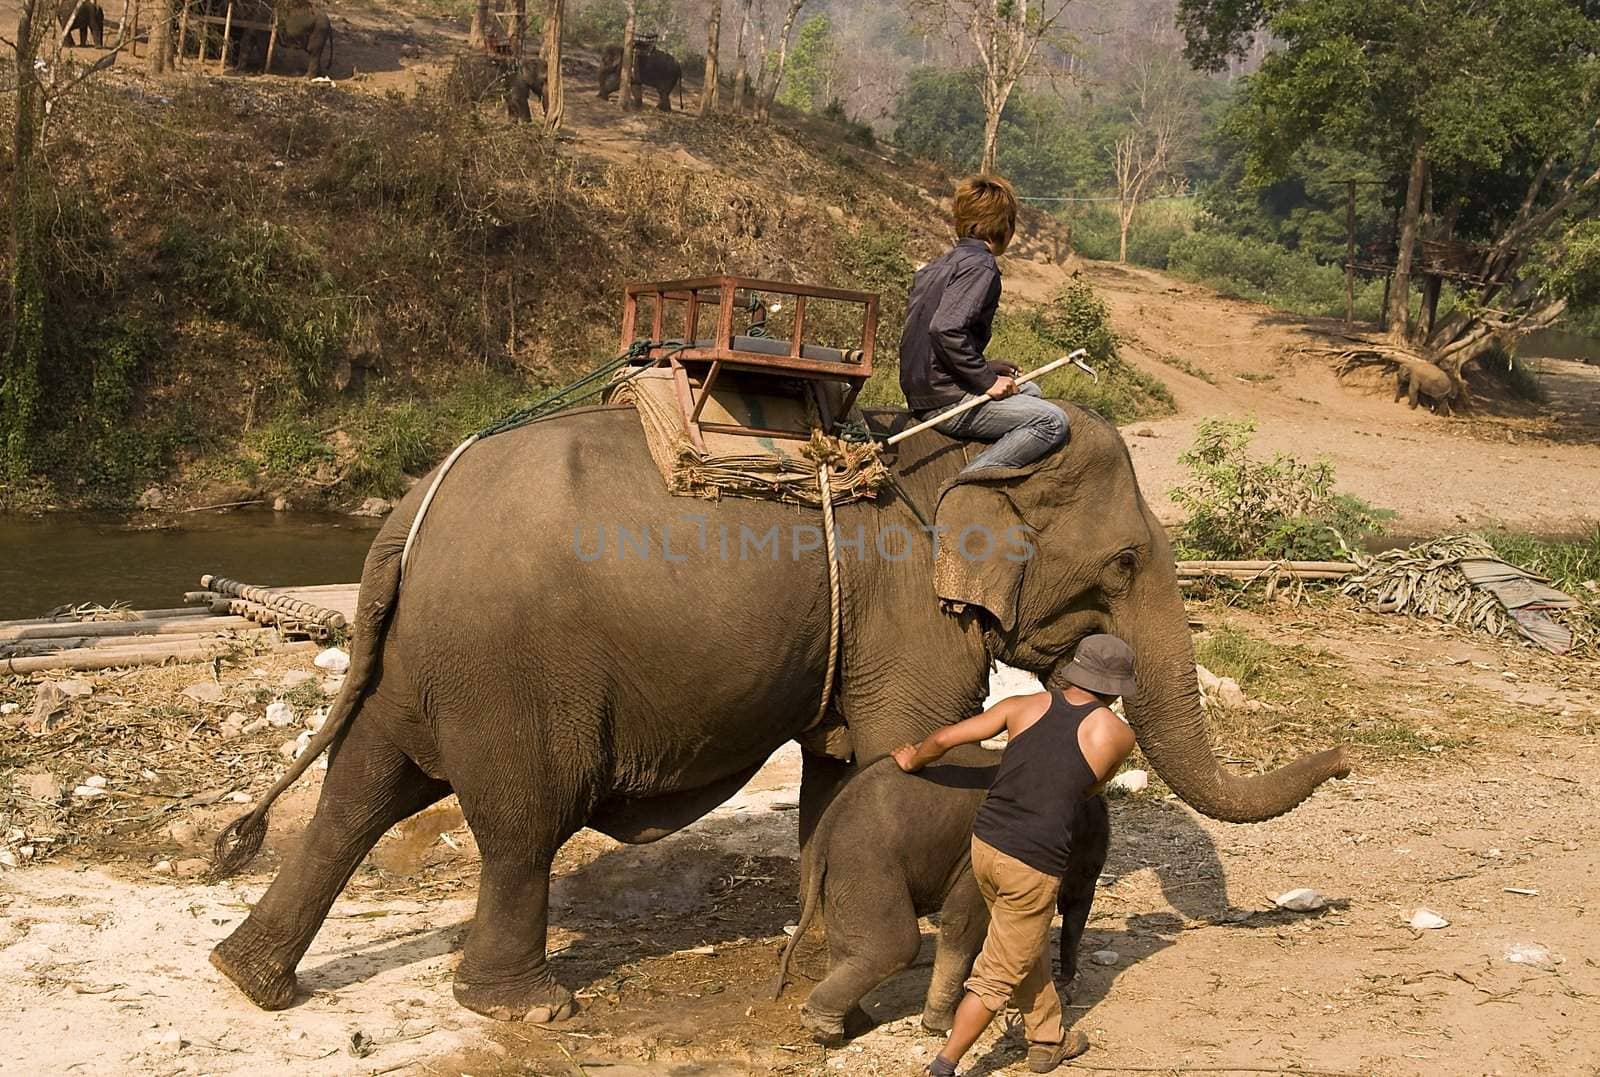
[[1075, 358]]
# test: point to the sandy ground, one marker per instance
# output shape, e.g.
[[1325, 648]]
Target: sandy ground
[[672, 946]]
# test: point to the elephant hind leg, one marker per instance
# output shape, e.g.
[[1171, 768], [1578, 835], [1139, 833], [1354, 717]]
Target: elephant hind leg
[[963, 923], [371, 785], [872, 934]]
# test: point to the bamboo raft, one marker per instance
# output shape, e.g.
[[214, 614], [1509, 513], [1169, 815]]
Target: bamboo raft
[[218, 618]]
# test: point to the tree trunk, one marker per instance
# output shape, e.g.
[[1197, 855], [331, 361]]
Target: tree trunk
[[478, 32], [761, 73], [783, 58], [625, 77], [23, 360], [991, 136], [160, 58], [741, 75], [1400, 294], [554, 86], [519, 29], [710, 90]]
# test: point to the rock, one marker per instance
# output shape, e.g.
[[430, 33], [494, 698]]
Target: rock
[[315, 719], [204, 692], [1105, 957], [333, 660], [1302, 900], [153, 498], [39, 785], [296, 677], [234, 724], [1254, 705], [190, 867], [239, 796], [1145, 432], [163, 867], [331, 685], [280, 714], [8, 709], [1229, 694], [76, 688], [255, 725], [96, 781], [373, 506], [48, 701], [1130, 781], [300, 743], [289, 749], [8, 859], [280, 504], [1534, 955], [183, 831], [88, 792], [1208, 680], [1427, 920]]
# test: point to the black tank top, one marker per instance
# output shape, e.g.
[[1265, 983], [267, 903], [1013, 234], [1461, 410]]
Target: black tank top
[[1039, 789]]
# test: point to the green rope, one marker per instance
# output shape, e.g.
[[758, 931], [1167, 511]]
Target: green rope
[[568, 395]]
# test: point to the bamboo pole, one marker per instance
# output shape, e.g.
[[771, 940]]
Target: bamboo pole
[[171, 626], [275, 600], [181, 611], [962, 409], [67, 645], [1343, 567], [183, 34], [86, 660], [222, 65]]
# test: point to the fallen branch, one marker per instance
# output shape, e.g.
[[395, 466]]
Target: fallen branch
[[1211, 1069]]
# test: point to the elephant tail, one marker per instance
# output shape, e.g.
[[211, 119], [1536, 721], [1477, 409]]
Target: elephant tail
[[241, 839], [808, 909]]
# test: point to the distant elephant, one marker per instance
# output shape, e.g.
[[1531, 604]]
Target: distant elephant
[[87, 18], [893, 847], [1414, 379], [651, 67], [301, 25], [551, 685], [527, 81]]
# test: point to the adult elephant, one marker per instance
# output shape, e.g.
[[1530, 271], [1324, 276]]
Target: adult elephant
[[84, 16], [651, 67], [632, 688], [301, 25]]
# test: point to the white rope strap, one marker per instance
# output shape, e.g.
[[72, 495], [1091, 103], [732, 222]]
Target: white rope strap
[[422, 510], [834, 612]]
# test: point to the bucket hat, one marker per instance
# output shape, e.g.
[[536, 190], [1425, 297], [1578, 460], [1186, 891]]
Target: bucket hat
[[1102, 664]]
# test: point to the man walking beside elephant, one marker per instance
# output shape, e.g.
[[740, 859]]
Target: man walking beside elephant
[[949, 319], [1061, 747]]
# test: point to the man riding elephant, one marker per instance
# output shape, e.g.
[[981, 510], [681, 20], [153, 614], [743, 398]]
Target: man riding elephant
[[574, 646], [651, 67]]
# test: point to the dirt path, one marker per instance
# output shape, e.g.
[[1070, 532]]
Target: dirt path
[[1226, 357], [672, 946]]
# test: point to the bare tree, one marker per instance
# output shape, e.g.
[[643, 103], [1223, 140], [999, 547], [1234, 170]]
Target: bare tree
[[160, 58], [1007, 35], [764, 109], [1161, 116], [741, 74], [478, 32], [555, 100], [630, 26], [711, 90], [519, 29]]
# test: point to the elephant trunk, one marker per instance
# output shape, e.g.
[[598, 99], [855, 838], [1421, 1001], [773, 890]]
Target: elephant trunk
[[1172, 732]]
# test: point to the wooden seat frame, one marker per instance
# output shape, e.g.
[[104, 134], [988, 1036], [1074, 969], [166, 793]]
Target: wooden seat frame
[[711, 358]]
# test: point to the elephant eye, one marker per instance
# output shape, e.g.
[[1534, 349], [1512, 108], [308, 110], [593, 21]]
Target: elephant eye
[[1127, 561]]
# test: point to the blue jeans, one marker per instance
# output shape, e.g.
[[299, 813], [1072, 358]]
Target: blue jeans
[[1022, 427]]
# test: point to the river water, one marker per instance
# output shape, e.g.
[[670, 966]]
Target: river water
[[1559, 344], [60, 559]]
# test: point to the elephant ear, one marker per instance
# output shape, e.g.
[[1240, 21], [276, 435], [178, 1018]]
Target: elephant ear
[[979, 563]]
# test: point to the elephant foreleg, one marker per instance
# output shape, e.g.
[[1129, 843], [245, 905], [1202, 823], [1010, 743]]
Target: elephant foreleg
[[665, 104], [1091, 840], [371, 786], [963, 923]]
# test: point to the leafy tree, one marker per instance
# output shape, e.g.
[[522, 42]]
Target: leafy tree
[[1482, 113], [813, 67]]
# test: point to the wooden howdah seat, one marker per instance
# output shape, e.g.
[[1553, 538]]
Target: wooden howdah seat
[[829, 375]]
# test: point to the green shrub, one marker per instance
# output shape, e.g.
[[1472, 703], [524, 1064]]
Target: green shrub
[[287, 447], [1242, 509], [1513, 374], [1568, 563], [1076, 318], [1256, 269], [1229, 652]]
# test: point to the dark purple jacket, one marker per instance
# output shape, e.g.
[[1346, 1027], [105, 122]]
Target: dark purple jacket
[[949, 318]]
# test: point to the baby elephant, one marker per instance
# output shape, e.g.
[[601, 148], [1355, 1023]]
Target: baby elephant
[[84, 16], [902, 844]]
